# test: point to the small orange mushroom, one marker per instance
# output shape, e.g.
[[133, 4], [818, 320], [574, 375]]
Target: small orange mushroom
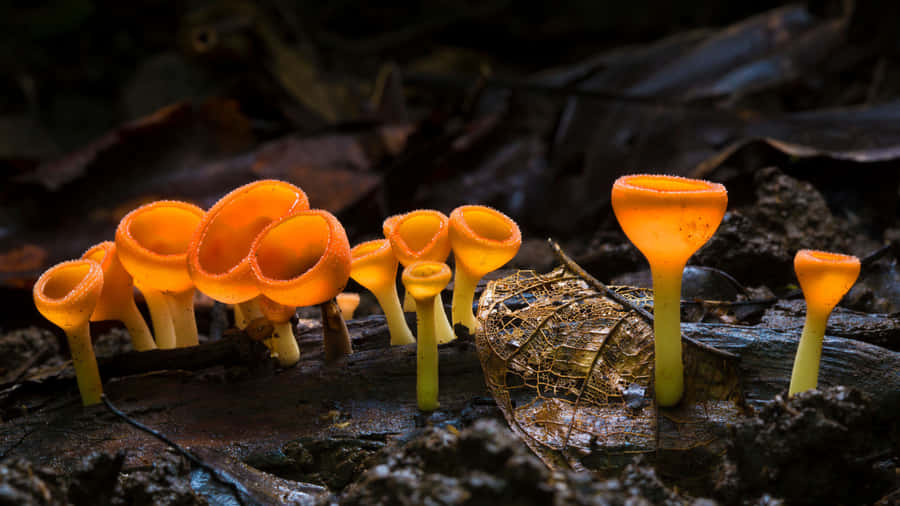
[[483, 240], [421, 235], [348, 302], [283, 343], [218, 257], [152, 242], [304, 260], [824, 278], [374, 266], [425, 280], [668, 218], [66, 294], [117, 298]]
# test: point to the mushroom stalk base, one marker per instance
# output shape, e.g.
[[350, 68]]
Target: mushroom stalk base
[[805, 375], [393, 314], [463, 295], [182, 306], [669, 370], [246, 312], [284, 344], [86, 372], [426, 357], [141, 338], [335, 335], [163, 328]]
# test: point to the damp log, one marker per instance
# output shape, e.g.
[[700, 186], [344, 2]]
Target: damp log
[[880, 329], [369, 395]]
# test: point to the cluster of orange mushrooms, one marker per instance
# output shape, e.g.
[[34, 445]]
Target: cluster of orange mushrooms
[[263, 250]]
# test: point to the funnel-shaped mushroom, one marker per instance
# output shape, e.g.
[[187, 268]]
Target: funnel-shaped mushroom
[[417, 236], [304, 260], [374, 266], [66, 295], [483, 240], [218, 257], [668, 218], [424, 281], [283, 343], [117, 298], [824, 278], [152, 242]]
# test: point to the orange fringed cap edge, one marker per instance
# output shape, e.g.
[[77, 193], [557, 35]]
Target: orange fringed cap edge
[[235, 282], [302, 259], [67, 293]]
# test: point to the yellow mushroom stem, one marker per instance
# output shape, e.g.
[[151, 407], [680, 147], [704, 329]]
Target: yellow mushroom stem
[[805, 373], [668, 368], [425, 280], [181, 307], [464, 284], [137, 327], [161, 316]]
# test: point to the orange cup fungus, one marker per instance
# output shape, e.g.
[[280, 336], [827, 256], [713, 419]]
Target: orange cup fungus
[[218, 259], [152, 243], [668, 218], [116, 301], [374, 266], [424, 281], [67, 294], [483, 240], [824, 278], [304, 260], [348, 302], [422, 235]]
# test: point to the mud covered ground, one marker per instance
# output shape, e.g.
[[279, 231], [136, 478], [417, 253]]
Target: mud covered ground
[[377, 111]]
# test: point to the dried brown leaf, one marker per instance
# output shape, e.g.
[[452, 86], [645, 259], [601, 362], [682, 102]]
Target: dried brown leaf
[[572, 372]]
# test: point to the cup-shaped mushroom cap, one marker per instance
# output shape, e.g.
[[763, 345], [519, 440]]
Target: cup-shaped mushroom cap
[[118, 287], [668, 218], [152, 243], [419, 235], [218, 258], [67, 293], [302, 259], [275, 312], [825, 277], [425, 279], [373, 264], [483, 238]]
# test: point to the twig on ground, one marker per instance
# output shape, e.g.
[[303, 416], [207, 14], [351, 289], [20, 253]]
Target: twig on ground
[[239, 490]]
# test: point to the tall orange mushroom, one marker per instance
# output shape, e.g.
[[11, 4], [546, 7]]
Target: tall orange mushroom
[[218, 259], [422, 235], [483, 240], [825, 278], [668, 218], [374, 266], [66, 295], [117, 298], [304, 260], [152, 243]]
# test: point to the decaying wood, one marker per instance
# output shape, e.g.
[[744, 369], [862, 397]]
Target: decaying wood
[[882, 330], [369, 394]]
